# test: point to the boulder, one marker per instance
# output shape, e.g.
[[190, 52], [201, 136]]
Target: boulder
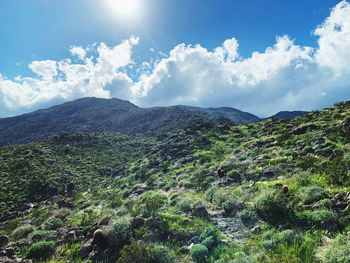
[[346, 126], [86, 249], [64, 204], [137, 222], [220, 173], [10, 252], [200, 211], [3, 240]]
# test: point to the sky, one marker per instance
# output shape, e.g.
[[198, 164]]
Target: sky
[[260, 56]]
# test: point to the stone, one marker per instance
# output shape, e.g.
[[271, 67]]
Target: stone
[[86, 249], [200, 211], [3, 240], [137, 222], [10, 252], [64, 204], [220, 173], [71, 235], [256, 229], [285, 189]]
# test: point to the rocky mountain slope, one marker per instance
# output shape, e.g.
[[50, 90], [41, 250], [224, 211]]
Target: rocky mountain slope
[[271, 191], [107, 115]]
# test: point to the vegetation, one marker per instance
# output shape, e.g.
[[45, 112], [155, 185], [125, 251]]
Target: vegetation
[[272, 191]]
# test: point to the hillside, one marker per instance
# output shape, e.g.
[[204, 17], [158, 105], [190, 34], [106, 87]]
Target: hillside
[[271, 191], [109, 115], [288, 115]]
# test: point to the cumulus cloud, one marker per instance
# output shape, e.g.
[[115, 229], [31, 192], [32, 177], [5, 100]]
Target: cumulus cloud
[[286, 76]]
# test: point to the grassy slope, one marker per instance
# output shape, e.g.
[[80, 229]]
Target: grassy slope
[[308, 155]]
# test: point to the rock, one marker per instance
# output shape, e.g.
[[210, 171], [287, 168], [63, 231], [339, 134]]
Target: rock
[[10, 252], [220, 173], [100, 239], [86, 249], [3, 240], [256, 229], [138, 190], [91, 231], [137, 222], [71, 235], [200, 211], [285, 189], [64, 204], [346, 126], [195, 240], [269, 172]]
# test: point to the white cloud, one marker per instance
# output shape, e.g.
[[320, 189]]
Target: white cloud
[[286, 76], [78, 51], [47, 69]]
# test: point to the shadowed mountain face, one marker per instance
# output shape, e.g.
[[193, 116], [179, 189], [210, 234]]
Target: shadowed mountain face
[[111, 115], [288, 115]]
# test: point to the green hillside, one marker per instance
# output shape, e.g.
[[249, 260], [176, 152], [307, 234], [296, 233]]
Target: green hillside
[[272, 191]]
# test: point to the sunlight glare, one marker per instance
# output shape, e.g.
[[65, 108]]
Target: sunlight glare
[[125, 8]]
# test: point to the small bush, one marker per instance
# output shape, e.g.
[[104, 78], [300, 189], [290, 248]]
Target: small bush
[[199, 253], [275, 207], [120, 233], [146, 253], [41, 250], [153, 201], [313, 194], [53, 223], [338, 251], [320, 218], [40, 235], [22, 232]]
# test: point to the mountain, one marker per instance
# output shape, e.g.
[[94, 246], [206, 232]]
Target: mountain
[[270, 191], [234, 115], [288, 115], [110, 115]]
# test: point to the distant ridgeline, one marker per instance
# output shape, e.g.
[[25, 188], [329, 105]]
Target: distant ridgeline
[[114, 115]]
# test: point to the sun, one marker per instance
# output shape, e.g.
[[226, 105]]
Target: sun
[[125, 8]]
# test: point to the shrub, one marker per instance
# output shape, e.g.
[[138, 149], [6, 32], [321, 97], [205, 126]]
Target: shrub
[[146, 253], [313, 194], [248, 216], [161, 254], [338, 251], [199, 253], [210, 243], [41, 250], [22, 232], [153, 201], [275, 207], [321, 217], [40, 235], [53, 223], [120, 233]]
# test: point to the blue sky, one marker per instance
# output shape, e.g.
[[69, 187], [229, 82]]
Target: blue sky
[[41, 30]]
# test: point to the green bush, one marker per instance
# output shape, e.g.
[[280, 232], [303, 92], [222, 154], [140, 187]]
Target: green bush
[[139, 251], [22, 232], [313, 194], [320, 218], [53, 223], [153, 201], [199, 253], [40, 235], [120, 233], [41, 250], [275, 207], [338, 251]]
